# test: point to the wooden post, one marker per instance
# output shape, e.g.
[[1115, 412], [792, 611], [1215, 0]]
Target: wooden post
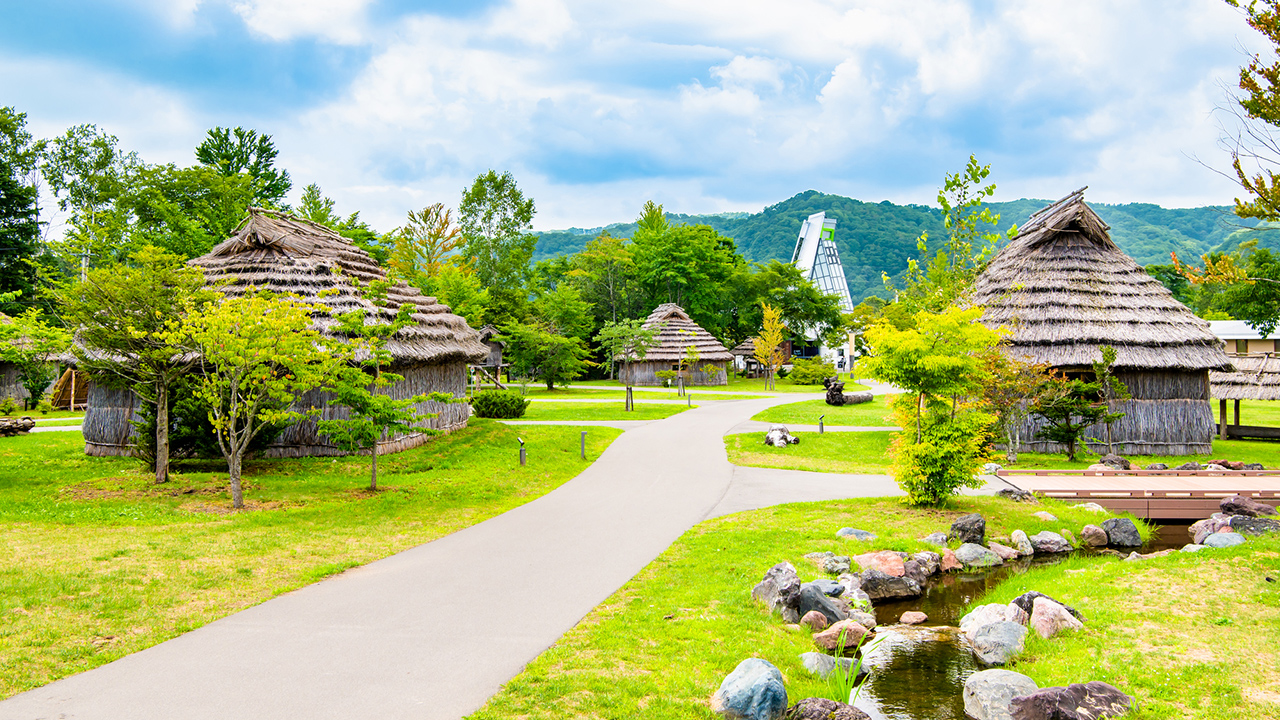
[[1237, 412], [1222, 418]]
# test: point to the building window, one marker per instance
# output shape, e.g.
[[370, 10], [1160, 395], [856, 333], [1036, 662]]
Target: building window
[[1242, 347]]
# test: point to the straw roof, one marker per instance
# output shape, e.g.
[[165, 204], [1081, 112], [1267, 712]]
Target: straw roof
[[1257, 377], [1064, 289], [280, 252], [746, 348], [675, 332]]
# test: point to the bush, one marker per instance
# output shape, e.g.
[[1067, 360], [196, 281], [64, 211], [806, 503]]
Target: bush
[[666, 376], [948, 456], [783, 372], [502, 404], [8, 406], [811, 372], [44, 406]]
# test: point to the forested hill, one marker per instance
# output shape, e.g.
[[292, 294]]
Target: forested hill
[[880, 237]]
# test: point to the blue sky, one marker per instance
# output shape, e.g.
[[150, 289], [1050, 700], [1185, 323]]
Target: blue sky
[[704, 106]]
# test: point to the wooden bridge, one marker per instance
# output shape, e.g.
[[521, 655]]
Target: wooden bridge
[[1154, 494]]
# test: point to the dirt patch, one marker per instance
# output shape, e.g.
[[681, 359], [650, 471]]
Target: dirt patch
[[224, 507], [130, 488]]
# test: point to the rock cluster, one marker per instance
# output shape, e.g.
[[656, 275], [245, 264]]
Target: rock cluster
[[996, 632], [13, 426]]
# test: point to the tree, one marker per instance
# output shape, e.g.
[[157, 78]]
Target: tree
[[317, 208], [694, 267], [257, 354], [88, 173], [768, 344], [30, 344], [536, 351], [1068, 406], [805, 308], [626, 341], [232, 151], [19, 209], [564, 312], [1008, 391], [495, 217], [185, 211], [460, 289], [126, 319], [371, 415], [604, 273], [423, 245], [1110, 390], [1245, 284]]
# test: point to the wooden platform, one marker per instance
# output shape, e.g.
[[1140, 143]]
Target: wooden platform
[[1154, 494]]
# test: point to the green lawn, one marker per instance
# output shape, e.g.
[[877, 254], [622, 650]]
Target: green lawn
[[600, 411], [753, 385], [834, 452], [51, 415], [639, 395], [1252, 412], [59, 422], [806, 412], [659, 647], [99, 562]]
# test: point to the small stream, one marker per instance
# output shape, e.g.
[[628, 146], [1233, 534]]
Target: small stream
[[918, 672]]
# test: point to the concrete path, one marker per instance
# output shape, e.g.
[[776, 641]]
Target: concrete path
[[434, 631], [56, 428], [620, 424]]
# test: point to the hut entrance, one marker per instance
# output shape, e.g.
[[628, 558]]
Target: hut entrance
[[70, 392]]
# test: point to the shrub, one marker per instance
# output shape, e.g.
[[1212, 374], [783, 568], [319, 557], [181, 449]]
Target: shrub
[[44, 406], [948, 455], [503, 404], [8, 406], [783, 372], [666, 376], [811, 372]]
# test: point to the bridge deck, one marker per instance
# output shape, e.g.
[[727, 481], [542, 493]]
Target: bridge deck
[[1154, 494]]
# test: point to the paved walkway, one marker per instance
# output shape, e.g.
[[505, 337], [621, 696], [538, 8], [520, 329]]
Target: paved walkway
[[434, 631]]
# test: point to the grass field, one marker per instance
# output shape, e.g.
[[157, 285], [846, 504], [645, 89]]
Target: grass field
[[600, 411], [99, 562], [806, 412], [51, 415], [1252, 412], [1187, 635], [737, 385]]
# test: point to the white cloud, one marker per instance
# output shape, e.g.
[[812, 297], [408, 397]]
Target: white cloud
[[338, 21]]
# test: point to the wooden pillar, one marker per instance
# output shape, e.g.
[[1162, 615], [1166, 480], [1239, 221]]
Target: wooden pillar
[[1237, 412], [1222, 418]]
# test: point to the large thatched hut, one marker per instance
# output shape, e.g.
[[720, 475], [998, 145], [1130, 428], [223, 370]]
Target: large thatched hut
[[675, 333], [279, 252], [1256, 377], [1063, 289]]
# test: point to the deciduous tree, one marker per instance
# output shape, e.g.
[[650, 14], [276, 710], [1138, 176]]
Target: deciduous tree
[[232, 151]]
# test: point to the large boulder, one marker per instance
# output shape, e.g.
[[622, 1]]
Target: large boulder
[[1004, 551], [813, 599], [984, 615], [827, 586], [976, 556], [987, 693], [1050, 618], [842, 637], [1047, 541], [1115, 462], [1081, 701], [753, 691], [880, 586], [1027, 601], [997, 643], [1223, 539], [938, 538], [886, 561], [1246, 525], [815, 621], [969, 529], [1203, 528], [815, 708], [949, 561], [1245, 505], [930, 562], [1021, 543], [779, 436], [1094, 536], [1121, 532], [855, 533], [779, 588]]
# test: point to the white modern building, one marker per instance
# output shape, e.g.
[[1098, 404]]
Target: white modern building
[[818, 260], [1242, 339]]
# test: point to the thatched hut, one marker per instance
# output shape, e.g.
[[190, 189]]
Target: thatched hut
[[744, 357], [10, 383], [1063, 289], [676, 333], [1256, 377], [279, 252]]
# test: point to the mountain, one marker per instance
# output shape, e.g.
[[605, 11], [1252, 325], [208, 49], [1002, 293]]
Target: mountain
[[881, 237]]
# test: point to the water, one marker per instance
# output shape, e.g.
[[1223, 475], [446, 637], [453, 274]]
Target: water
[[918, 673]]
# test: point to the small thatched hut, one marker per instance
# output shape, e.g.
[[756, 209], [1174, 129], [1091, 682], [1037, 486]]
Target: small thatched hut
[[1064, 290], [279, 252], [744, 354], [1256, 377], [675, 334], [10, 384]]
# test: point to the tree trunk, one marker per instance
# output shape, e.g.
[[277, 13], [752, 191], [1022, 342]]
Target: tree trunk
[[162, 432], [233, 468], [373, 475], [919, 403]]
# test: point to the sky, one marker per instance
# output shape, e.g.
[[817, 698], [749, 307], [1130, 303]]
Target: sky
[[701, 105]]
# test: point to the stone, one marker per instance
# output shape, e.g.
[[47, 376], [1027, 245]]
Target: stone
[[821, 664], [1115, 462], [1097, 467], [779, 436], [1016, 614], [814, 600], [1121, 532], [1214, 468], [865, 619], [835, 564], [1245, 505], [938, 538], [997, 643], [983, 615], [949, 561], [1191, 547], [1027, 600], [1049, 618], [779, 588], [992, 468], [1094, 536], [753, 691], [1192, 465], [1046, 516], [842, 637], [1254, 525], [1047, 541], [1222, 540], [1004, 551], [970, 528], [915, 571], [1078, 701], [1017, 495], [855, 533], [815, 621], [1157, 466], [1021, 543], [827, 586], [1254, 466], [1090, 506], [987, 693], [816, 708], [1203, 528], [886, 561], [912, 617], [880, 586], [931, 562], [1228, 464], [976, 556]]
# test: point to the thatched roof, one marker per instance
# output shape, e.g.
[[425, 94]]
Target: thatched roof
[[677, 332], [1257, 377], [1064, 289], [286, 254], [746, 348]]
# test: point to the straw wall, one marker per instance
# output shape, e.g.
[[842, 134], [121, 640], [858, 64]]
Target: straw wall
[[107, 428], [1166, 384], [1149, 427], [646, 373], [10, 386]]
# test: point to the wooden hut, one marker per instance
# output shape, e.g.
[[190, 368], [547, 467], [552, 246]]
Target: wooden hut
[[279, 252], [1256, 377], [10, 383], [744, 354], [1063, 289], [675, 334], [70, 391]]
